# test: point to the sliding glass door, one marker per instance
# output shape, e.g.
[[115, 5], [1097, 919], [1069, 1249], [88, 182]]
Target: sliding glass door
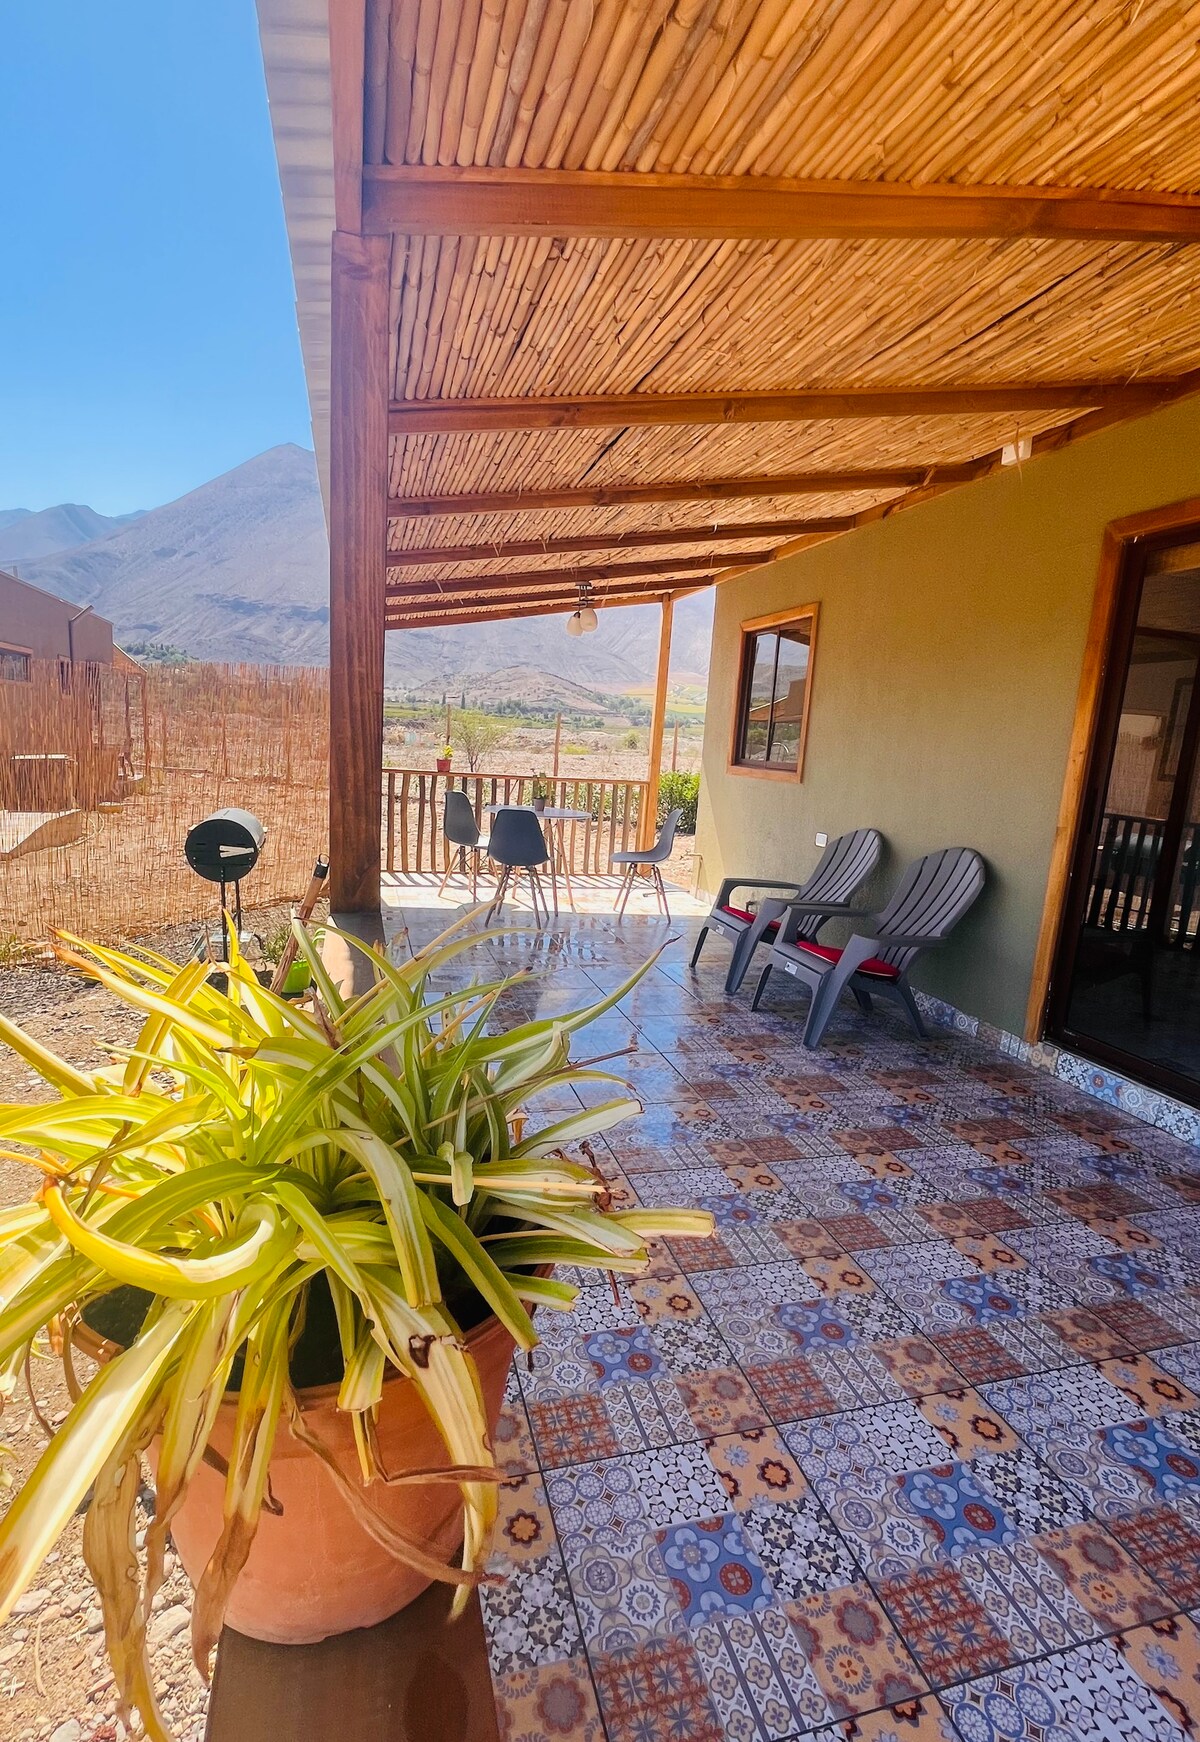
[[1126, 988]]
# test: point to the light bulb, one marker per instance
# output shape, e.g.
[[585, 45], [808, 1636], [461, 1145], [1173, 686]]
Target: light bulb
[[587, 620], [575, 623]]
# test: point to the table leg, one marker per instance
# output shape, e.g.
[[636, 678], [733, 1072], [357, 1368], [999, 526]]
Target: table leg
[[564, 865], [552, 843]]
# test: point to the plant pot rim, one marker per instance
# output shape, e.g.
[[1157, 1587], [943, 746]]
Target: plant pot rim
[[90, 1343]]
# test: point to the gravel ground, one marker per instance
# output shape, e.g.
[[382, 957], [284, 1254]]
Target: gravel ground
[[55, 1684]]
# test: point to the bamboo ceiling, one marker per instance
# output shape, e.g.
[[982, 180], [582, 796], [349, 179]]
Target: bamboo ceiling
[[941, 96]]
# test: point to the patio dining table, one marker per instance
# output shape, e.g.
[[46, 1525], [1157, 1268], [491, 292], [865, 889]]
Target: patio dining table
[[559, 860]]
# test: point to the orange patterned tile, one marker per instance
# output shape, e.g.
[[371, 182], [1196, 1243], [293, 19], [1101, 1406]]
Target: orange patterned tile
[[1166, 1655], [916, 1365], [1146, 1384], [553, 1702], [988, 1252], [755, 1466], [807, 1239], [664, 1299], [967, 1422], [854, 1650], [1101, 1576], [720, 1402]]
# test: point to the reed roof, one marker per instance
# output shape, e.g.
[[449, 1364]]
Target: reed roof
[[577, 107]]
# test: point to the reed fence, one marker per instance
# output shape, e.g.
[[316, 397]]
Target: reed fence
[[412, 820], [128, 760]]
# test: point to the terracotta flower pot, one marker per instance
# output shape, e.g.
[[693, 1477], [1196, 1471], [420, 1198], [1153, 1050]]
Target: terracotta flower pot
[[443, 765], [313, 1570]]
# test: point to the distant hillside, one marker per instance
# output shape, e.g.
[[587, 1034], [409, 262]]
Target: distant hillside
[[25, 534], [239, 570], [236, 570]]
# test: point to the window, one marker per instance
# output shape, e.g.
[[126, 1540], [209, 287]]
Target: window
[[15, 665], [774, 683]]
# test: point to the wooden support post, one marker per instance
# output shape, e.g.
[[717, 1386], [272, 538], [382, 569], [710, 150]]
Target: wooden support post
[[658, 714], [557, 741], [357, 493]]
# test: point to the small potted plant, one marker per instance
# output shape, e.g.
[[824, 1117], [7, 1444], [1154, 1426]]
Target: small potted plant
[[444, 758], [302, 1242], [540, 791]]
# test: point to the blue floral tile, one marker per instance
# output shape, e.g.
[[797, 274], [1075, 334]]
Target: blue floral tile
[[622, 1355], [712, 1568], [961, 1515]]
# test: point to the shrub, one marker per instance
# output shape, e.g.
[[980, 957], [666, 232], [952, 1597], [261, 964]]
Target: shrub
[[680, 789]]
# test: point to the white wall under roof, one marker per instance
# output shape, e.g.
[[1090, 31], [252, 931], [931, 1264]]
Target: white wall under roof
[[295, 47]]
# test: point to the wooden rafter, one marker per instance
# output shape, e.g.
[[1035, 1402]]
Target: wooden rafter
[[541, 607], [686, 490], [709, 560], [643, 538], [555, 202], [615, 411]]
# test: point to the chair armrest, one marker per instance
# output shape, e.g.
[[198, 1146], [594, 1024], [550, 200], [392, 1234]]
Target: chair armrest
[[729, 884], [798, 910]]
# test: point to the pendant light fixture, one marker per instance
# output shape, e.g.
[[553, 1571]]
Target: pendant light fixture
[[583, 620]]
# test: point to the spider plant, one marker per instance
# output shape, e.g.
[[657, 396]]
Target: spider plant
[[244, 1151]]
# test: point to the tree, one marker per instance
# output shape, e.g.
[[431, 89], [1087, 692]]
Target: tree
[[477, 734]]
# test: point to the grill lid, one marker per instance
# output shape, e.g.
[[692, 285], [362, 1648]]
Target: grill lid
[[225, 846]]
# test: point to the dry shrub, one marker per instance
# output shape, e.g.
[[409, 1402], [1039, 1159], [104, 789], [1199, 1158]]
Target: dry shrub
[[177, 743]]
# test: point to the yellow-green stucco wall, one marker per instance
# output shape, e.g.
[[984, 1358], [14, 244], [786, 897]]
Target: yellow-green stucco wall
[[944, 686]]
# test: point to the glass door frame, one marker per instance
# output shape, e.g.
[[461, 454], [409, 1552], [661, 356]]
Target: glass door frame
[[1129, 546]]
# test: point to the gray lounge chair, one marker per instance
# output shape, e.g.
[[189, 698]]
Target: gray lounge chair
[[840, 873], [931, 898], [653, 857], [462, 833], [518, 845]]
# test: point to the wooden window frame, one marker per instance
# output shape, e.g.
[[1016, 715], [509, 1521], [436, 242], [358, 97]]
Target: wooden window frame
[[755, 626]]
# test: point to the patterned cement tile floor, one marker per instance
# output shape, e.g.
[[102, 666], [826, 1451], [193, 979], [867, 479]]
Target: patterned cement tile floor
[[910, 1450]]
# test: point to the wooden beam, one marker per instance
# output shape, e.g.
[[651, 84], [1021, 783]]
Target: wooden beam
[[487, 613], [683, 490], [561, 596], [648, 821], [540, 578], [472, 553], [619, 410], [493, 606], [347, 61], [357, 490], [555, 202]]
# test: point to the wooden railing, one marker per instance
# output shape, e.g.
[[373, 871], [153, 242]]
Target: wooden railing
[[1123, 877], [412, 815]]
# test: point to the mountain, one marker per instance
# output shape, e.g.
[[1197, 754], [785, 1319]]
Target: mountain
[[239, 570], [25, 534], [236, 570]]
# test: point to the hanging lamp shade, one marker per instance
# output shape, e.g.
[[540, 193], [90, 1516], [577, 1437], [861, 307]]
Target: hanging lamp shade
[[587, 620], [575, 623]]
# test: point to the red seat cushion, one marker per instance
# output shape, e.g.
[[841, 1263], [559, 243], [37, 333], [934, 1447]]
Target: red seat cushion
[[872, 965], [747, 918]]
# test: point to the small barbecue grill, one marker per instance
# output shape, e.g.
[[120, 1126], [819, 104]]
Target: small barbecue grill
[[223, 849]]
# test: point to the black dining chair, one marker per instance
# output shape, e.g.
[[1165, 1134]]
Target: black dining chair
[[518, 845], [652, 858], [465, 846]]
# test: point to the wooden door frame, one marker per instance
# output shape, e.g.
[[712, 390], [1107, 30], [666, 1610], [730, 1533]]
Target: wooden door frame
[[1120, 538]]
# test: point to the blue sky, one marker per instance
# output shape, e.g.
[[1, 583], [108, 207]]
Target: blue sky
[[147, 329]]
